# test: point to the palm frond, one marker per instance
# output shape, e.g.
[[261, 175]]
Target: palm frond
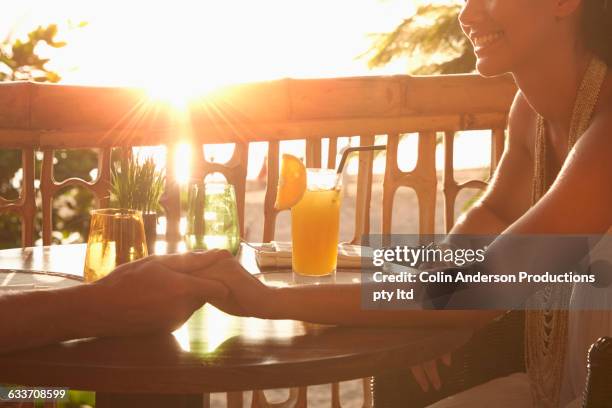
[[432, 32]]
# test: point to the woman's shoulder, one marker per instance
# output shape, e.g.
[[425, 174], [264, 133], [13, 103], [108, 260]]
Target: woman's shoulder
[[521, 121], [521, 111], [601, 123], [595, 144], [603, 111]]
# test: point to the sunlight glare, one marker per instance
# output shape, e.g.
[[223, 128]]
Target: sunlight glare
[[219, 327], [178, 92], [182, 337], [178, 97], [182, 160]]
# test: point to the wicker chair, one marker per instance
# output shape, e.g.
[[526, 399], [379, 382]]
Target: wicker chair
[[598, 389]]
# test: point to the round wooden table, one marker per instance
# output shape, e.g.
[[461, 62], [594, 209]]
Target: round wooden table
[[213, 351]]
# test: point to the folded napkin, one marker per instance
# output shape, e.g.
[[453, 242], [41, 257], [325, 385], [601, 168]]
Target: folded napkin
[[278, 255]]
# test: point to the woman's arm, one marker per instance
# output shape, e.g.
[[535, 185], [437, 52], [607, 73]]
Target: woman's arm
[[572, 205], [506, 199], [326, 304], [508, 195], [562, 227], [341, 304], [580, 199]]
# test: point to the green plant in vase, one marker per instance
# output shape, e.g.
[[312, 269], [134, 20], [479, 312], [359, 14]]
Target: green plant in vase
[[138, 185]]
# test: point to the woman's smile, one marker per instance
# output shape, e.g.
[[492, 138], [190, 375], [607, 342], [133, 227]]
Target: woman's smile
[[485, 40]]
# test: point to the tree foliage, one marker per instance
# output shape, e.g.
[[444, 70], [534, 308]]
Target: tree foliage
[[432, 35], [20, 61]]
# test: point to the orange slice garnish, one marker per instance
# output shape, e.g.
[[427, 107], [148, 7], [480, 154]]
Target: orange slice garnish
[[291, 182]]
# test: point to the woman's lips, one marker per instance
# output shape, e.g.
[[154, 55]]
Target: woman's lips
[[482, 41]]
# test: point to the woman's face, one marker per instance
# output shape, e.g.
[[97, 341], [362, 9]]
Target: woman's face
[[507, 34]]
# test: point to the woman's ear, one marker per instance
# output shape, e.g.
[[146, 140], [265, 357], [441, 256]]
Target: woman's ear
[[565, 8]]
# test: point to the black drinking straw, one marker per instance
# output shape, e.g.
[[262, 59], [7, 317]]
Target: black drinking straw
[[350, 150]]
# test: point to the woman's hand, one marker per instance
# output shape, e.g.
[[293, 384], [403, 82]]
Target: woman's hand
[[248, 296], [154, 294], [426, 374]]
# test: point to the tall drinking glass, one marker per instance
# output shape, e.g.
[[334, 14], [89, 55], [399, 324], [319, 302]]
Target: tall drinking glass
[[315, 224], [116, 236], [212, 217]]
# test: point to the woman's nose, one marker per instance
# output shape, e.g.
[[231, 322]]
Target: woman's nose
[[471, 13]]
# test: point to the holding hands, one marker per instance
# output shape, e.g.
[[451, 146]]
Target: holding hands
[[155, 294], [152, 295], [159, 293], [247, 296]]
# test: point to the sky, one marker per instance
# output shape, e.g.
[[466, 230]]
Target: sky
[[168, 46], [142, 43]]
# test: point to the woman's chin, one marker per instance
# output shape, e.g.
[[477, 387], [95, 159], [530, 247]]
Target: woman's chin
[[487, 67]]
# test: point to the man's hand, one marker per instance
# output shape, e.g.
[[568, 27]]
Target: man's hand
[[154, 294]]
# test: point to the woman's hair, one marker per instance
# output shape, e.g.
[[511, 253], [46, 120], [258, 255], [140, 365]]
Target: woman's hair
[[597, 28]]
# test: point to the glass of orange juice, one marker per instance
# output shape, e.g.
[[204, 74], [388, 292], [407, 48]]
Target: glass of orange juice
[[315, 224]]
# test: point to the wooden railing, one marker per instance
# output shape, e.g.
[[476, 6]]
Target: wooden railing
[[36, 117]]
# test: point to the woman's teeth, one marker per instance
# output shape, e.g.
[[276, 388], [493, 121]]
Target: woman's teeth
[[484, 40]]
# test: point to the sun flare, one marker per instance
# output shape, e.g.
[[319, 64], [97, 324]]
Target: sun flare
[[179, 93], [182, 158]]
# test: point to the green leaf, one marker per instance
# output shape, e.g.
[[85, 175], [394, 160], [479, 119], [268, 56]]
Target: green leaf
[[21, 59]]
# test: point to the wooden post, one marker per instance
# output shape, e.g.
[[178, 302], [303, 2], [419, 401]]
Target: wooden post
[[364, 190], [450, 188], [272, 183]]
